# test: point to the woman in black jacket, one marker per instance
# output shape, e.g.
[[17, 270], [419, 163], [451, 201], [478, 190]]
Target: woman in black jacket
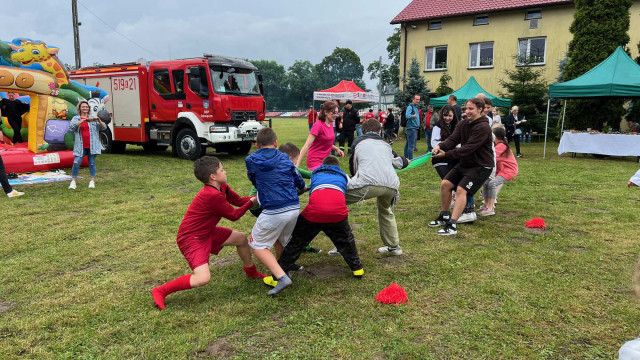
[[513, 127]]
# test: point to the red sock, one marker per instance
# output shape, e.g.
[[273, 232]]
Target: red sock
[[253, 273], [160, 292]]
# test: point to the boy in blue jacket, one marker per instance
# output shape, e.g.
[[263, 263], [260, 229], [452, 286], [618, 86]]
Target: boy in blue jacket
[[327, 211], [276, 178]]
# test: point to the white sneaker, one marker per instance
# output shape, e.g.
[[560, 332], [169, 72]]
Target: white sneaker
[[333, 252], [468, 217], [92, 185], [15, 193], [395, 251], [72, 186]]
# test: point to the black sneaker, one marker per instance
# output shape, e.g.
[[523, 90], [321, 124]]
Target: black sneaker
[[296, 267], [312, 250], [448, 229], [440, 221]]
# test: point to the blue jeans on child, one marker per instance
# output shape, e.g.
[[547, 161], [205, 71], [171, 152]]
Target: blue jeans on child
[[78, 160], [411, 143], [427, 136]]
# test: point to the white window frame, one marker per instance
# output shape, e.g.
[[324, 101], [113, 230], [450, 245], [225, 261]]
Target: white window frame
[[528, 17], [475, 19], [433, 61], [435, 22], [478, 55], [528, 50]]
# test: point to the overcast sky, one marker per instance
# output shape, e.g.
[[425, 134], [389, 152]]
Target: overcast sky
[[115, 31]]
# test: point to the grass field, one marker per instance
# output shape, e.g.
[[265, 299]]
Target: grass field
[[77, 267]]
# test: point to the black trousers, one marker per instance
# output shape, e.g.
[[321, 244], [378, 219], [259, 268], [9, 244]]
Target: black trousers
[[345, 135], [3, 178], [305, 230], [16, 125]]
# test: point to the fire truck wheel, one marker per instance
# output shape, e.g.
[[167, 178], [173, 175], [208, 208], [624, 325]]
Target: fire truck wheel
[[106, 141], [240, 148], [188, 145]]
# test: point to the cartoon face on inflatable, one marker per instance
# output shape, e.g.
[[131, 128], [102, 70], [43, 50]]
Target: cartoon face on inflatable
[[30, 52]]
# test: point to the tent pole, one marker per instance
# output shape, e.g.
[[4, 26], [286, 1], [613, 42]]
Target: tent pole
[[564, 111], [546, 126]]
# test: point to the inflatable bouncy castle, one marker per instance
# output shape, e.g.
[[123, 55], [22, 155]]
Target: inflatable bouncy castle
[[32, 69]]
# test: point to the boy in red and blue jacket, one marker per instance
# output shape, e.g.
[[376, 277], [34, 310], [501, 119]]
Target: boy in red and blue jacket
[[327, 211]]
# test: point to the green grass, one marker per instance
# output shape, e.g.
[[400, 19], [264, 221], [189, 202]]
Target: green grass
[[77, 267]]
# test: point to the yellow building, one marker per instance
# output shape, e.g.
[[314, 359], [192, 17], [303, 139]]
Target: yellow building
[[481, 38]]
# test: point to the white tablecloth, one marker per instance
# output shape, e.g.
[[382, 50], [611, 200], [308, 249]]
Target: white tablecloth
[[605, 144]]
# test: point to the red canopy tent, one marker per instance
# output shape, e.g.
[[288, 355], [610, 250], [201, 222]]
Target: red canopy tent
[[345, 90]]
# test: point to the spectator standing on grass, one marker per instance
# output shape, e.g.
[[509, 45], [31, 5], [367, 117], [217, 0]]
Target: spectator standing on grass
[[430, 119], [312, 115], [453, 101], [350, 119], [86, 132], [513, 126], [320, 141], [476, 164], [389, 126], [4, 181], [413, 124]]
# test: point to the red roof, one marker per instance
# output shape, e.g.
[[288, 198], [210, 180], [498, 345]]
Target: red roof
[[428, 9], [343, 86]]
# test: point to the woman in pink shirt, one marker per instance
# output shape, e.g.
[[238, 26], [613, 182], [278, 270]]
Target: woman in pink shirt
[[321, 137], [506, 170]]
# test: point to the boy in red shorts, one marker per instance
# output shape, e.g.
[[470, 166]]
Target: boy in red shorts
[[199, 236]]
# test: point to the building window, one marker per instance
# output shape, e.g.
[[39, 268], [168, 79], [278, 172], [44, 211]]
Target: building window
[[481, 20], [481, 55], [435, 25], [532, 51], [436, 58], [533, 14]]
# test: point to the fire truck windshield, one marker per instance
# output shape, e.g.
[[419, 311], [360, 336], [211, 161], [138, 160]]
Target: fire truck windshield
[[234, 81]]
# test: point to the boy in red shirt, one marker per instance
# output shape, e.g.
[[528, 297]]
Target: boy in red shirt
[[199, 234]]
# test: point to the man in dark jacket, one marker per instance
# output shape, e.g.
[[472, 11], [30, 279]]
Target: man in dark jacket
[[476, 163], [14, 109], [350, 119]]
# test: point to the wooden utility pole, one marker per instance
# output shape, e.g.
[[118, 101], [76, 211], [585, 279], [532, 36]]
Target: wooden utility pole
[[76, 32]]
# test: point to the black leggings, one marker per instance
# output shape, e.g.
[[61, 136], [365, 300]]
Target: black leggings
[[345, 135], [16, 125], [305, 230], [3, 178]]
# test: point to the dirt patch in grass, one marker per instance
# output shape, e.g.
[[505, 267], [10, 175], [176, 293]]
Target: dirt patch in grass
[[74, 212], [92, 268], [521, 240], [508, 214], [219, 349], [151, 197], [578, 232], [184, 189], [189, 181], [600, 211], [30, 204], [7, 305], [537, 231], [577, 248], [324, 271], [355, 226], [361, 241], [402, 210], [222, 261]]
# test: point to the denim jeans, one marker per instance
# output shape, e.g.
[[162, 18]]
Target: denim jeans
[[78, 160], [427, 136], [358, 130], [411, 143]]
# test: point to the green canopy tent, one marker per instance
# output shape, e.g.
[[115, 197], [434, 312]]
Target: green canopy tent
[[618, 76], [468, 91]]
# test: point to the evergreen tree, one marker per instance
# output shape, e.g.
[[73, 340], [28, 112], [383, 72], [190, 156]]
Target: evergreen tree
[[598, 27], [444, 88], [525, 87], [413, 84]]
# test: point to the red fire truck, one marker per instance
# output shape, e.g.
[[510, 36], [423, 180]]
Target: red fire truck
[[191, 104]]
